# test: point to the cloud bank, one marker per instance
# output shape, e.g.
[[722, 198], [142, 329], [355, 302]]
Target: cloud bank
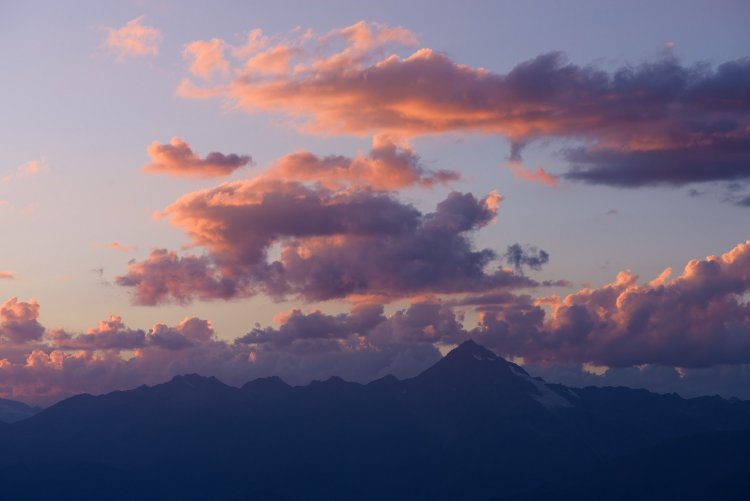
[[663, 334]]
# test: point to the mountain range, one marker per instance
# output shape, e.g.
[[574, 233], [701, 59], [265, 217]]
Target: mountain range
[[12, 411], [472, 426]]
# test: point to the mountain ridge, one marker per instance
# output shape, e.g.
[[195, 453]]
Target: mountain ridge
[[459, 429], [12, 410]]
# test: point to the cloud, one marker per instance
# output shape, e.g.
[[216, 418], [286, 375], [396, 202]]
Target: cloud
[[654, 123], [178, 159], [207, 58], [110, 334], [361, 345], [699, 319], [133, 39], [121, 247], [30, 168], [333, 244], [689, 334], [18, 321], [164, 275], [538, 176], [518, 257], [391, 164], [7, 275], [366, 327]]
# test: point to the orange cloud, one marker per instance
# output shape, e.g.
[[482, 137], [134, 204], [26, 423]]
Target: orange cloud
[[133, 39], [656, 123], [29, 168], [390, 164], [18, 321], [178, 159], [697, 319], [7, 275], [207, 58], [539, 176]]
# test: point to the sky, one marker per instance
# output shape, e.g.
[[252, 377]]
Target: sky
[[244, 189]]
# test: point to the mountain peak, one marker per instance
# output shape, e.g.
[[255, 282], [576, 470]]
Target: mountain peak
[[195, 381], [471, 348], [472, 363], [264, 386], [11, 411]]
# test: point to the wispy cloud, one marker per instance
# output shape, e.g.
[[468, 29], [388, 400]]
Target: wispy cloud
[[133, 39], [120, 247], [537, 176], [28, 169]]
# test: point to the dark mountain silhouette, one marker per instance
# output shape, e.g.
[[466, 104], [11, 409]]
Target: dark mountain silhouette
[[473, 426], [12, 411], [704, 466]]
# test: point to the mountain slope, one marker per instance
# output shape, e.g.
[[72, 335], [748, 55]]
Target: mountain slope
[[697, 467], [12, 411]]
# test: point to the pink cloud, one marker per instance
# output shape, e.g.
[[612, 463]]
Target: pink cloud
[[164, 275], [655, 123], [698, 319], [391, 164], [178, 159], [30, 168], [7, 275], [207, 58], [538, 176], [333, 244], [133, 39], [311, 345], [18, 321]]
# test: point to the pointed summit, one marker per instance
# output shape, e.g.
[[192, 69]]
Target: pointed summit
[[472, 349], [471, 363], [472, 369]]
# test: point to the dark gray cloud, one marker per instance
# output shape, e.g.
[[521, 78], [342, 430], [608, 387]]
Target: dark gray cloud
[[333, 245], [519, 256]]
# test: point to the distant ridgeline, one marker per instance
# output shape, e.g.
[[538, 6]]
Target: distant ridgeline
[[11, 411], [473, 426]]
